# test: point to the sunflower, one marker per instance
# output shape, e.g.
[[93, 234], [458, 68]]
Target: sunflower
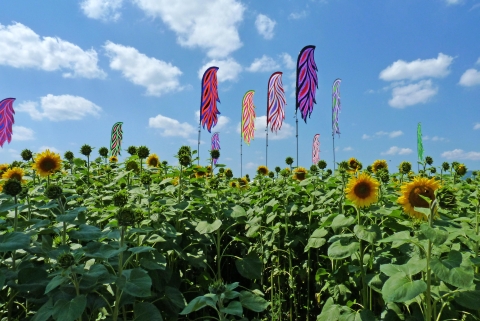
[[3, 168], [362, 190], [1, 188], [16, 173], [262, 170], [113, 159], [379, 164], [410, 195], [353, 164], [153, 160], [47, 163], [242, 182], [175, 181], [233, 184], [199, 173], [299, 173]]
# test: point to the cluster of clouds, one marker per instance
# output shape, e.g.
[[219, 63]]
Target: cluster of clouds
[[379, 134], [412, 82]]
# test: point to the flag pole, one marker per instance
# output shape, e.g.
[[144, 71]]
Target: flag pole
[[266, 147], [198, 145]]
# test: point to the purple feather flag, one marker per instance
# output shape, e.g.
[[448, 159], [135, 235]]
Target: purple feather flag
[[6, 120], [275, 102], [316, 149], [307, 82], [336, 106], [215, 145]]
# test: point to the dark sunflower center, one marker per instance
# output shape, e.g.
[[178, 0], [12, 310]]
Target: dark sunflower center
[[17, 176], [362, 190], [416, 201], [47, 164], [153, 162]]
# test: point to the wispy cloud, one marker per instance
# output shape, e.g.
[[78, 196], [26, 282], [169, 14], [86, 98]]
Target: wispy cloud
[[22, 133], [263, 64], [170, 127], [394, 150], [265, 26], [460, 154], [104, 10], [228, 69], [417, 69], [379, 134], [476, 126], [297, 15], [60, 108], [412, 94]]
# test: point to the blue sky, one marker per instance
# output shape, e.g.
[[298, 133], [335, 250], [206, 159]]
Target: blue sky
[[77, 67]]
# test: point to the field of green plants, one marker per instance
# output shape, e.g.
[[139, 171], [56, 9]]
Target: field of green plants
[[97, 239]]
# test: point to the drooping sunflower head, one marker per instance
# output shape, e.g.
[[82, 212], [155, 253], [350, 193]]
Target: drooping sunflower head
[[299, 173], [153, 160], [429, 160], [47, 163], [15, 172], [405, 167], [362, 190], [460, 169], [411, 192], [228, 173], [199, 172], [445, 166], [233, 184], [379, 164], [243, 182], [285, 172], [113, 159], [262, 170], [132, 165]]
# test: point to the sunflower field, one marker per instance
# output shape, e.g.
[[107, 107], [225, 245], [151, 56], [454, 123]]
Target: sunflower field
[[96, 239]]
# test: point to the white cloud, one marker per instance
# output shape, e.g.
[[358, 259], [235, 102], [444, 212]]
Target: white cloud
[[459, 154], [52, 149], [251, 165], [478, 61], [394, 150], [22, 133], [470, 77], [263, 64], [159, 77], [59, 108], [438, 139], [228, 69], [170, 126], [435, 67], [477, 126], [395, 133], [102, 9], [297, 15], [21, 47], [221, 122], [261, 124], [365, 136], [265, 26], [412, 94], [347, 149], [288, 60], [209, 24]]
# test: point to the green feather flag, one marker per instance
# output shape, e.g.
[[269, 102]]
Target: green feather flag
[[419, 142]]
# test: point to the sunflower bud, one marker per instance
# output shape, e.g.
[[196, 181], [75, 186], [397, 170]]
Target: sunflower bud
[[217, 288], [80, 190], [271, 174], [132, 166], [314, 169], [132, 150], [146, 179], [289, 160], [103, 151], [215, 154], [53, 191], [120, 198], [383, 175], [433, 170], [65, 260], [322, 164], [213, 183], [228, 173], [446, 198], [461, 169], [86, 150], [143, 152], [221, 170], [405, 167], [429, 160], [12, 187], [277, 169], [126, 217], [68, 156], [26, 155]]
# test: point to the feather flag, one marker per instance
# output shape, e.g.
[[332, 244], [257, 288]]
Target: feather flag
[[116, 139], [208, 106], [6, 120], [316, 149], [307, 82], [419, 142], [275, 102], [215, 145], [336, 106], [248, 117]]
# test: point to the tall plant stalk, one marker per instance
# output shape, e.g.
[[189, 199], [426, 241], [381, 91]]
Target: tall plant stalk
[[118, 293]]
